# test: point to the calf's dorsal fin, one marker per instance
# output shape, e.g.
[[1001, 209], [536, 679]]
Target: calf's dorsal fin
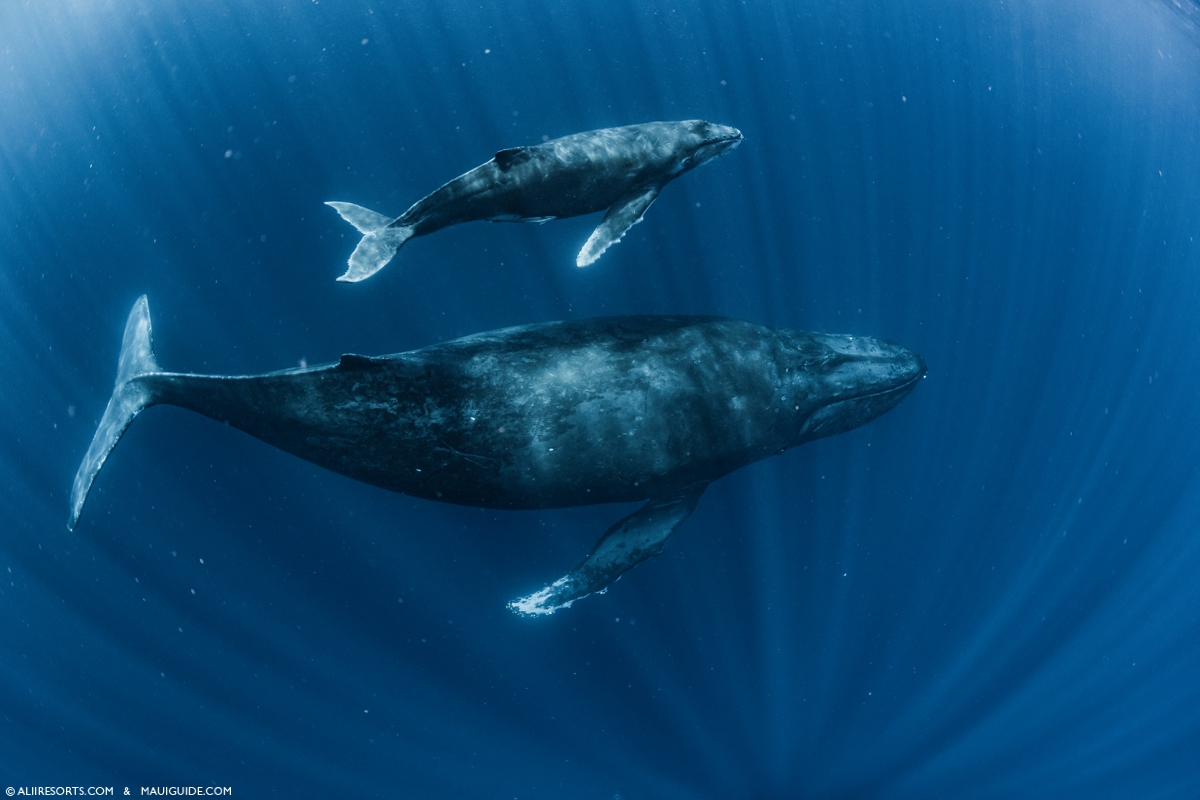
[[513, 156]]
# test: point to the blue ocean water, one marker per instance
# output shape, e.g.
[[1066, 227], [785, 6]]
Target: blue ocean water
[[989, 592]]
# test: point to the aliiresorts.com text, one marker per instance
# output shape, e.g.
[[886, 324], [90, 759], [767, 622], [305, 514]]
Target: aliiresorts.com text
[[108, 791]]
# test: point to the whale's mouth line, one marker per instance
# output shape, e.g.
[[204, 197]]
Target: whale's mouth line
[[733, 139], [878, 393], [904, 385]]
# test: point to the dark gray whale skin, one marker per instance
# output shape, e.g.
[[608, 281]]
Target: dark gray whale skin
[[558, 414], [618, 170], [578, 174]]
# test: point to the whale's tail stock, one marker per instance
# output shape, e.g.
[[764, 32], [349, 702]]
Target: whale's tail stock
[[129, 397], [379, 244]]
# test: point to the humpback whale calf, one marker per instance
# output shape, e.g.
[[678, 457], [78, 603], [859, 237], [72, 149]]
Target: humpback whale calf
[[557, 414], [618, 169]]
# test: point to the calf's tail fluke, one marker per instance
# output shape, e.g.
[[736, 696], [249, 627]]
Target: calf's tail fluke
[[128, 398], [379, 244]]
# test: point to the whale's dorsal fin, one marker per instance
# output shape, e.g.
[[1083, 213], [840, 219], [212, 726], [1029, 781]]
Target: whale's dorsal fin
[[513, 156], [354, 361], [623, 215]]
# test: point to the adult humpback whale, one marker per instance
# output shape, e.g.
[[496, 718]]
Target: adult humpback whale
[[543, 416], [619, 169]]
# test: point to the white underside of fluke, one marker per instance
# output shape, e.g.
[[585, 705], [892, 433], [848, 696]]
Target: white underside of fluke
[[379, 243], [364, 219], [128, 398]]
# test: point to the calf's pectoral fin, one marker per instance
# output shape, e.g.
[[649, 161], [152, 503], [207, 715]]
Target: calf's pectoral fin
[[625, 545], [623, 215]]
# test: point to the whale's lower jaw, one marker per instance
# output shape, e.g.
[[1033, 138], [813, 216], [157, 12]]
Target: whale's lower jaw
[[845, 415]]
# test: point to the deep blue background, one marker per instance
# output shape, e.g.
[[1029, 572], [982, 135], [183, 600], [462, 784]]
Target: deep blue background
[[990, 592]]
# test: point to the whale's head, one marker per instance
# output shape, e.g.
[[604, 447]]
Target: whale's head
[[841, 382], [700, 142]]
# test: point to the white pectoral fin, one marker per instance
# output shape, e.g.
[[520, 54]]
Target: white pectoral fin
[[624, 214], [639, 536]]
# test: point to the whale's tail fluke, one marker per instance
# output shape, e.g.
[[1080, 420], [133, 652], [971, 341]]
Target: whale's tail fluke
[[379, 244], [128, 398]]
